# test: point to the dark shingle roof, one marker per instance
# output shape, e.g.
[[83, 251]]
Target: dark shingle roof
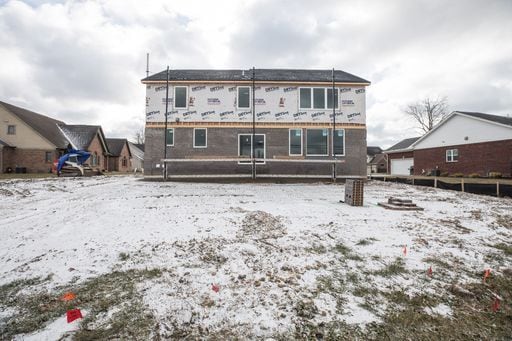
[[372, 151], [291, 75], [44, 125], [139, 145], [404, 144], [488, 117], [80, 136], [115, 146]]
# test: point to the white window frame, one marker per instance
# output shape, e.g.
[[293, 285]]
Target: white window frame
[[173, 137], [238, 97], [336, 103], [450, 155], [301, 142], [248, 162], [344, 145], [186, 97], [205, 137], [307, 154]]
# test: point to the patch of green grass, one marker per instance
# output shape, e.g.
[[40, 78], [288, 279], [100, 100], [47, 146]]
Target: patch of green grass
[[395, 268], [316, 248], [366, 241], [97, 295], [507, 249], [347, 252], [438, 262]]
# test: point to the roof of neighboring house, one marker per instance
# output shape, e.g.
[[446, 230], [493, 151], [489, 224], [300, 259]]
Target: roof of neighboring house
[[2, 144], [378, 158], [81, 136], [139, 145], [404, 144], [291, 75], [115, 146], [488, 117], [371, 150], [44, 125]]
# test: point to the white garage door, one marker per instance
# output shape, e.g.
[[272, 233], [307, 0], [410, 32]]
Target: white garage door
[[401, 166]]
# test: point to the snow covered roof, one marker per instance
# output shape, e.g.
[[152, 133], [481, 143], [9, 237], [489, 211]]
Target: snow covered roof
[[81, 136], [278, 75], [43, 125]]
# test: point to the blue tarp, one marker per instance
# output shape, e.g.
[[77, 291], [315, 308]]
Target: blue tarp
[[81, 157]]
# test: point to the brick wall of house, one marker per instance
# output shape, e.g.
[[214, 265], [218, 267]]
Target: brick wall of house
[[34, 160], [480, 158], [96, 148], [403, 155], [223, 142]]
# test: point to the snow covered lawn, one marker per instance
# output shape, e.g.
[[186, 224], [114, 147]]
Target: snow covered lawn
[[175, 260]]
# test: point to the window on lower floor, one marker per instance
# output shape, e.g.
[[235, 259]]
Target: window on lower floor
[[124, 162], [452, 155], [170, 137], [317, 142], [48, 156], [339, 142], [11, 129], [295, 142], [245, 147], [94, 159], [200, 136]]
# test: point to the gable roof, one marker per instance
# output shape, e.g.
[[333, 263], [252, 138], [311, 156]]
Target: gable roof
[[43, 125], [81, 136], [501, 120], [267, 75], [139, 145], [488, 117], [372, 150], [403, 145], [4, 144], [115, 146], [378, 158]]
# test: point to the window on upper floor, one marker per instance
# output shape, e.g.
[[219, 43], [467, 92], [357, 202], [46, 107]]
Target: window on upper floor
[[244, 97], [317, 98], [180, 97], [11, 129]]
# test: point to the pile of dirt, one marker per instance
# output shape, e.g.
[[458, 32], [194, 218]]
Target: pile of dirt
[[261, 225]]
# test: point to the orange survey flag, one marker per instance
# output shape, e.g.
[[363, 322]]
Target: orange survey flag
[[69, 296]]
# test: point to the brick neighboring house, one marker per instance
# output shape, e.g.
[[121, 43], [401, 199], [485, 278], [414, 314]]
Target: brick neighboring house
[[467, 143], [89, 138], [120, 155], [211, 113], [400, 157], [30, 141]]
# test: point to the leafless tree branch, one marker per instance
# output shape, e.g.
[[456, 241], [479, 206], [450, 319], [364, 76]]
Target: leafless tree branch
[[428, 112]]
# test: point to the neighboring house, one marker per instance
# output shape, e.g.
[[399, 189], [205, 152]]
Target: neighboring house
[[210, 119], [376, 161], [89, 138], [467, 143], [137, 151], [120, 158], [31, 142], [400, 158]]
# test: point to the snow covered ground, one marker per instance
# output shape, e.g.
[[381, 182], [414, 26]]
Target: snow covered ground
[[284, 259]]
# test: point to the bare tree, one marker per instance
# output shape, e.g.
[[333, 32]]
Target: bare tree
[[428, 112], [139, 136]]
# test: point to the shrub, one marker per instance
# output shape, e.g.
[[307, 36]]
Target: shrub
[[474, 175], [457, 175], [445, 174], [494, 174]]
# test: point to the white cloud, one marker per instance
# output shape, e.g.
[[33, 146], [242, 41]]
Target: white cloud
[[82, 61]]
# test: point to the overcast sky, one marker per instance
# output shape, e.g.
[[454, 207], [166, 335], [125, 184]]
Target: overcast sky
[[82, 61]]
